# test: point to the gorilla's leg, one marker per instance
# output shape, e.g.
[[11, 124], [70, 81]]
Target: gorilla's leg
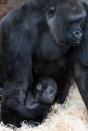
[[63, 87], [81, 78]]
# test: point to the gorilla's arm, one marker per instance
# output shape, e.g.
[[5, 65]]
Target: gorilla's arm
[[63, 86], [17, 46], [17, 76], [31, 114], [81, 78]]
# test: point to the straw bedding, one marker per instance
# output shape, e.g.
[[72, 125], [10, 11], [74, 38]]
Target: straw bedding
[[72, 116]]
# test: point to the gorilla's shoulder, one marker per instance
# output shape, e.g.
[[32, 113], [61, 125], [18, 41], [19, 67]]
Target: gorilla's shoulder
[[22, 12]]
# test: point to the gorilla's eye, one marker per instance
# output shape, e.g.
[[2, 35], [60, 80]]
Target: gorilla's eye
[[39, 87], [51, 11]]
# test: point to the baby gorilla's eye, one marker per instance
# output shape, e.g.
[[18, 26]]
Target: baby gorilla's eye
[[51, 11]]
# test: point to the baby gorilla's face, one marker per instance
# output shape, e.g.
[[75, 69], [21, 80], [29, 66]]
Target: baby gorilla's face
[[46, 90]]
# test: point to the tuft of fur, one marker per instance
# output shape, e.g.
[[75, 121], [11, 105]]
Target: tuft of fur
[[71, 116]]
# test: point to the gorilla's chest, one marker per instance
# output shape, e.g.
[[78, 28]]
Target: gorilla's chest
[[45, 68], [49, 58], [47, 49], [48, 52]]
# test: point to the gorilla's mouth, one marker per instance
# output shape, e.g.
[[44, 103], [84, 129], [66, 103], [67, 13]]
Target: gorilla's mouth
[[77, 42], [74, 42]]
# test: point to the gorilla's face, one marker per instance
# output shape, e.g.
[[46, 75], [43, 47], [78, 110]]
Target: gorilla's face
[[65, 20]]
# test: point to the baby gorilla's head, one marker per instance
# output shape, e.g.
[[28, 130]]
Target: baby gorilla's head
[[46, 90]]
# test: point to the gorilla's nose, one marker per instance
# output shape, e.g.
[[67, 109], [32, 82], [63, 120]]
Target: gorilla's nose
[[78, 34]]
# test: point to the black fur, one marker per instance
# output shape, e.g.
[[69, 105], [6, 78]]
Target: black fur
[[38, 101], [32, 46], [79, 60]]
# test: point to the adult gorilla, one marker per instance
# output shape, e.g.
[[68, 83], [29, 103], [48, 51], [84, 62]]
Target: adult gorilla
[[80, 62], [33, 45]]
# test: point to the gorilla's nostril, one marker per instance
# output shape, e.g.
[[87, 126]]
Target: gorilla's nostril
[[78, 34]]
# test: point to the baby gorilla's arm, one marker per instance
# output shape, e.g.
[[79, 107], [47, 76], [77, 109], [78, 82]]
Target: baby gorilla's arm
[[29, 113]]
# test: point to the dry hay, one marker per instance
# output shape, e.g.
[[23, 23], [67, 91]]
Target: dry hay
[[72, 116]]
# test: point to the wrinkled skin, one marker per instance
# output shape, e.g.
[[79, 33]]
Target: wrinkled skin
[[33, 45]]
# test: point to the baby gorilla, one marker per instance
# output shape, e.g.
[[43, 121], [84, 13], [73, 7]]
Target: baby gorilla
[[44, 92], [38, 101]]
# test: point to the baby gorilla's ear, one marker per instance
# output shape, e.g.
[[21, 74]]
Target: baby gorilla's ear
[[39, 87]]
